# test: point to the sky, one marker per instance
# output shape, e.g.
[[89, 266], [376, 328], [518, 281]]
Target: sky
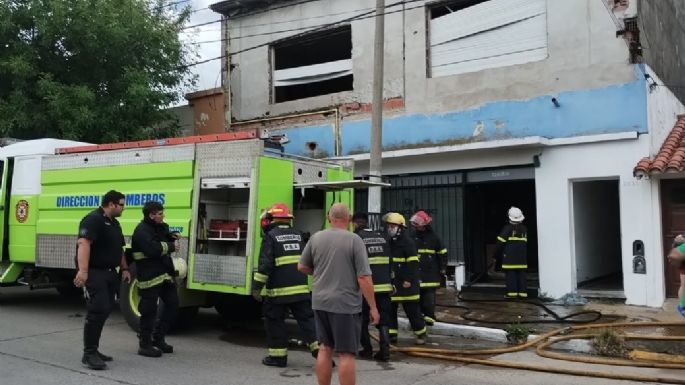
[[209, 74]]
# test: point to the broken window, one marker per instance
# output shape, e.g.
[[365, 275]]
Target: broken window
[[313, 65], [473, 35]]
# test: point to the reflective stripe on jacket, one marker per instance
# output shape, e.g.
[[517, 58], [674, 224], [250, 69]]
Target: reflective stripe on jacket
[[277, 272], [378, 251], [432, 257]]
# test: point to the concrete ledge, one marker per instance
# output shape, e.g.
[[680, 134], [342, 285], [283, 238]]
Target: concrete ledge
[[492, 334]]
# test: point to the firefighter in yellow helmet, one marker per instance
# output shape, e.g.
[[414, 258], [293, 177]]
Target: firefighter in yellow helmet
[[405, 261], [286, 287]]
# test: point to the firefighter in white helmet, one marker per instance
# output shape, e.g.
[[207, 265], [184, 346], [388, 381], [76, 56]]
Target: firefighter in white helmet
[[512, 245]]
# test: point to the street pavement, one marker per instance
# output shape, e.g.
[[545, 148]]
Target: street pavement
[[41, 341]]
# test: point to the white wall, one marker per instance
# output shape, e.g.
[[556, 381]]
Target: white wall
[[663, 109], [639, 205], [584, 53]]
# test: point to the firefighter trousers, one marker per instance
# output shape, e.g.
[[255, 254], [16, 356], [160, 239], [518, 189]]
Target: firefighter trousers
[[516, 283], [276, 332], [428, 304], [101, 287], [150, 324], [412, 309], [384, 307]]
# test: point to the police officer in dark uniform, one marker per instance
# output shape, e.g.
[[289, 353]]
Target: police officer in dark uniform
[[151, 247], [379, 258], [286, 288], [432, 262], [99, 252], [405, 262]]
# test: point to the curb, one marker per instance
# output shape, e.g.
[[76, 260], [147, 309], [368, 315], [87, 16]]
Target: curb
[[492, 334]]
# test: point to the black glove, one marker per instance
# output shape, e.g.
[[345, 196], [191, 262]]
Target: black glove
[[257, 292]]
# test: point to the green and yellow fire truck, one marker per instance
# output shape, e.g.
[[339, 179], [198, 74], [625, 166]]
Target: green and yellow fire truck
[[214, 189]]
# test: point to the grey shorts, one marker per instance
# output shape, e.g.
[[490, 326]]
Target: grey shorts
[[340, 332]]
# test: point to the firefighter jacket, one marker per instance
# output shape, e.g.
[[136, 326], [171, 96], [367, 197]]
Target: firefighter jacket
[[379, 259], [280, 252], [405, 262], [151, 246], [432, 257], [512, 244]]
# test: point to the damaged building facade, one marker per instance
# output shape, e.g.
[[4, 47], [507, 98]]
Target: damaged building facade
[[541, 104]]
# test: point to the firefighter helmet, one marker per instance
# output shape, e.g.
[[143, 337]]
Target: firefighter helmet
[[180, 267], [395, 218], [279, 210], [516, 215], [421, 218]]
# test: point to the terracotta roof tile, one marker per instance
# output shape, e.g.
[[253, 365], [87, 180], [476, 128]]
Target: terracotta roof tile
[[671, 156]]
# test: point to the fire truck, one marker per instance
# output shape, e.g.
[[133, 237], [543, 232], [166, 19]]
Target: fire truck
[[214, 189]]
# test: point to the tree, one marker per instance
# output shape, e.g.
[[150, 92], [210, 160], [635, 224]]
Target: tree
[[91, 70]]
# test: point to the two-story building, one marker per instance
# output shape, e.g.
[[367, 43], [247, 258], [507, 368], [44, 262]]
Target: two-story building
[[540, 104]]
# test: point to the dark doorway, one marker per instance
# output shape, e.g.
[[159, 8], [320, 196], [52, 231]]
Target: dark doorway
[[673, 218], [486, 207], [597, 236]]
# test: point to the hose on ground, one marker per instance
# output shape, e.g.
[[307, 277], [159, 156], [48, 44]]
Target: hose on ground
[[562, 334]]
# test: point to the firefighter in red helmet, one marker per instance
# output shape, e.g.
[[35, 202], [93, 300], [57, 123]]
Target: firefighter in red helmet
[[432, 262], [286, 288]]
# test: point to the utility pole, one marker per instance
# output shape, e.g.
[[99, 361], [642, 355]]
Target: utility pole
[[376, 156], [226, 73]]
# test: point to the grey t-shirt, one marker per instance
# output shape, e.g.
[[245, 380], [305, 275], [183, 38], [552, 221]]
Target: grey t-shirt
[[337, 257]]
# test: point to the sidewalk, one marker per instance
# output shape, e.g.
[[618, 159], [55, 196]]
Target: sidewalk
[[493, 317]]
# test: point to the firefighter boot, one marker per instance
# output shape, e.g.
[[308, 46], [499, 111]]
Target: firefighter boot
[[93, 361], [280, 362], [146, 348], [159, 342], [367, 350], [383, 354], [104, 357]]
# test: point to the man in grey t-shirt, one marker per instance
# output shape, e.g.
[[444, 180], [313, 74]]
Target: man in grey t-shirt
[[337, 259]]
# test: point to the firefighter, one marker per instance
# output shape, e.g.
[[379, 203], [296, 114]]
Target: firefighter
[[432, 262], [379, 259], [151, 247], [405, 261], [286, 288], [512, 245]]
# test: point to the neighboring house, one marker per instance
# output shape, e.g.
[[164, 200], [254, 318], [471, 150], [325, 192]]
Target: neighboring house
[[208, 111], [541, 104]]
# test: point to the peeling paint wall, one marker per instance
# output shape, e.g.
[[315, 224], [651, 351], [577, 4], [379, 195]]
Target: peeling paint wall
[[663, 108], [613, 109]]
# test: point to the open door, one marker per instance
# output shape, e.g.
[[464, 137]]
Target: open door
[[9, 272]]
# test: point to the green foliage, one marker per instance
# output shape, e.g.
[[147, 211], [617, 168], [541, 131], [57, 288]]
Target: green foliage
[[516, 333], [91, 70], [610, 344]]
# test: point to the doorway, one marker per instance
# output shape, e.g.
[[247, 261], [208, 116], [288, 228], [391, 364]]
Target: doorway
[[597, 236], [673, 223], [486, 207]]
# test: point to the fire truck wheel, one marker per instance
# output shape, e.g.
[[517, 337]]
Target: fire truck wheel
[[129, 300]]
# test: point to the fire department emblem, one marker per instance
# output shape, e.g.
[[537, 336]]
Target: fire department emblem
[[22, 211]]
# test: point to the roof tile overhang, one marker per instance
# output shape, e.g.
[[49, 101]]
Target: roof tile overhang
[[671, 156], [238, 8]]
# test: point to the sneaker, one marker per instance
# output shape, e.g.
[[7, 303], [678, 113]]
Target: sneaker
[[93, 361], [681, 310], [104, 357]]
